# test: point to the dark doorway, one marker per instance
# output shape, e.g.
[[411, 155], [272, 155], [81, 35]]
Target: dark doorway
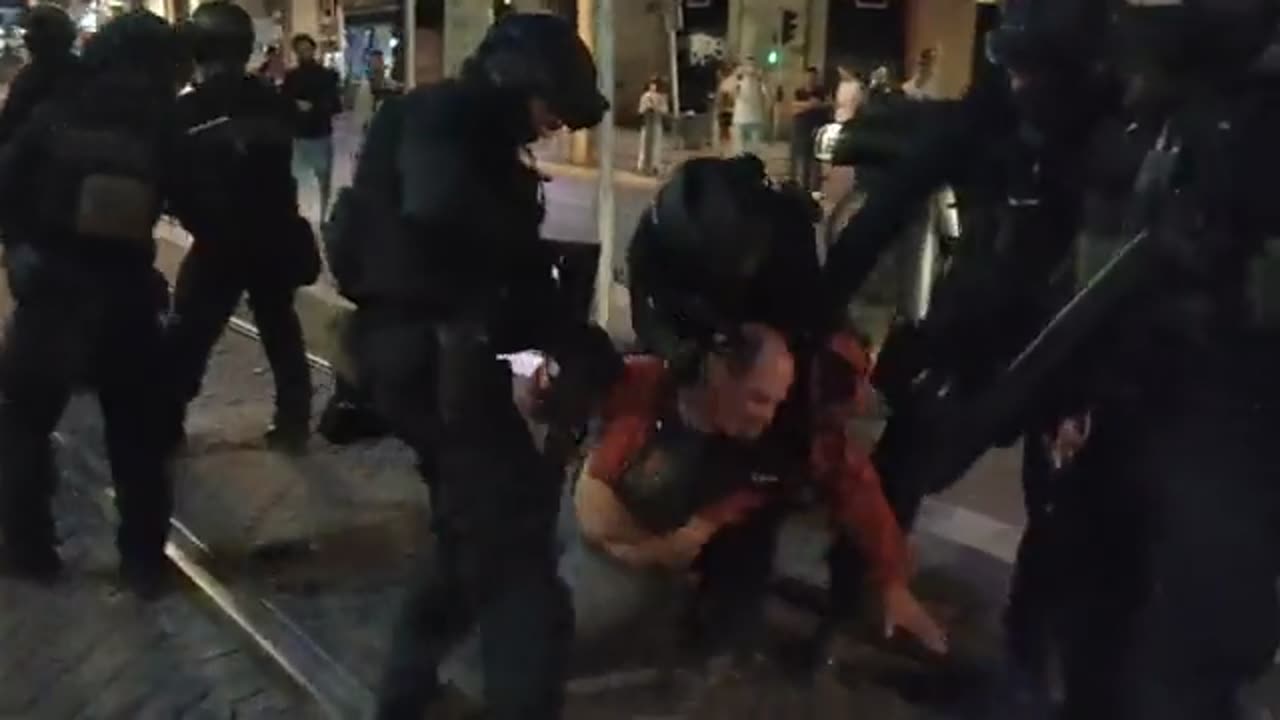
[[866, 38], [988, 20]]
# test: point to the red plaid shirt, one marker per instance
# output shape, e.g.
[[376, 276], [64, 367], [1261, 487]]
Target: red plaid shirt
[[836, 463]]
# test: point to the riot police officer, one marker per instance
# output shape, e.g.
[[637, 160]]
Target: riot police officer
[[83, 185], [247, 233], [437, 241], [49, 34], [1172, 542], [1030, 140]]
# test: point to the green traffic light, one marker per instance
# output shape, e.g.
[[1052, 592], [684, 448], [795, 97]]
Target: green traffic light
[[773, 57]]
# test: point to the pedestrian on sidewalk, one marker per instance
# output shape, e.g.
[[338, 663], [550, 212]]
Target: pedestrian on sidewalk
[[374, 88], [924, 85], [749, 111], [849, 93], [313, 90], [811, 110], [655, 109], [723, 109], [272, 70]]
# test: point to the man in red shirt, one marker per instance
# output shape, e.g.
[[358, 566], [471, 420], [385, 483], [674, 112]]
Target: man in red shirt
[[677, 477]]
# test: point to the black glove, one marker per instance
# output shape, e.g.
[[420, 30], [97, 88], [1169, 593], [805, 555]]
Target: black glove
[[584, 365]]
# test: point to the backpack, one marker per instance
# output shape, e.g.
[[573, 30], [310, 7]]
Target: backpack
[[101, 182]]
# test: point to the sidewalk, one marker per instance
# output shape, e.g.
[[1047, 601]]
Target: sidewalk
[[554, 156], [84, 649]]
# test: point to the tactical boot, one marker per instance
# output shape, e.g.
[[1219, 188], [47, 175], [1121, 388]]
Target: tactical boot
[[288, 438], [148, 578], [35, 564], [346, 422]]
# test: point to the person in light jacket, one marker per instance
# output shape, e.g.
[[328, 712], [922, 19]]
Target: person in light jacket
[[654, 109]]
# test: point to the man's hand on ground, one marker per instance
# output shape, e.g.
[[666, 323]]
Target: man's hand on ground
[[903, 611]]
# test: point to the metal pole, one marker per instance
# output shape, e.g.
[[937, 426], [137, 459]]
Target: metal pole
[[671, 19], [605, 210], [410, 41]]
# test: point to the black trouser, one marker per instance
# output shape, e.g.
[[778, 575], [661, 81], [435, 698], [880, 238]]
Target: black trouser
[[804, 166], [1033, 590], [494, 503], [891, 457], [85, 328], [349, 416], [209, 286], [1169, 529]]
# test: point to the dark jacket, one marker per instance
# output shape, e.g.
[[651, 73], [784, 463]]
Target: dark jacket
[[237, 133], [37, 82], [116, 119], [318, 85]]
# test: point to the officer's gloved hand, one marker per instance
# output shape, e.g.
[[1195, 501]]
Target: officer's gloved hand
[[902, 359], [22, 267], [579, 371]]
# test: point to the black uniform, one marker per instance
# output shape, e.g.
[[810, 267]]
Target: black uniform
[[52, 70], [437, 242], [1023, 163], [1172, 505], [83, 185], [248, 235]]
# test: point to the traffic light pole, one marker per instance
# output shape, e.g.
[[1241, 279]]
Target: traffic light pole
[[410, 40], [606, 216], [671, 19]]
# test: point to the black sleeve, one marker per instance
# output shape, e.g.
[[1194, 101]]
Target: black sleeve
[[940, 158], [20, 161], [19, 104]]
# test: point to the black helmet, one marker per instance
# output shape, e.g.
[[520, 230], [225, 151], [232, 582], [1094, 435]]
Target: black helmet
[[1061, 35], [220, 32], [725, 210], [48, 30], [542, 55], [1207, 36], [137, 41]]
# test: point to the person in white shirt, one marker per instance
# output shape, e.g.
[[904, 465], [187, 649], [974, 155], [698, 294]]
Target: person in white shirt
[[924, 84], [849, 94], [749, 109], [654, 109]]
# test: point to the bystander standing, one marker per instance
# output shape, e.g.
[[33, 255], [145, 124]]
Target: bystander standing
[[313, 91], [811, 110], [655, 109]]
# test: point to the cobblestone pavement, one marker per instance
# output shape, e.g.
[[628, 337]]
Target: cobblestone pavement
[[328, 541], [83, 649]]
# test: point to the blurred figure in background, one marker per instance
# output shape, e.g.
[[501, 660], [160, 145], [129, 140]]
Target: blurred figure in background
[[654, 110], [880, 86], [313, 91], [811, 110], [375, 87], [749, 111], [849, 93], [53, 67], [272, 69], [924, 84]]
